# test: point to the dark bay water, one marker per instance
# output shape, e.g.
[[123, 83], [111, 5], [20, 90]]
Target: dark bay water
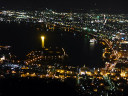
[[23, 38]]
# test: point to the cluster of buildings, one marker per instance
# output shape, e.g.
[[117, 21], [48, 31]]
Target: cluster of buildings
[[108, 24], [21, 16], [49, 62]]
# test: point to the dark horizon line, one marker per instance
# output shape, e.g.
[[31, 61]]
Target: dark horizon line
[[70, 9]]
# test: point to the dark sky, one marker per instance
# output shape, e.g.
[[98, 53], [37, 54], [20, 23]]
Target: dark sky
[[116, 4]]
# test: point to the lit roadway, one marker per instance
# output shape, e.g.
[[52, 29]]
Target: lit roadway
[[111, 84], [115, 53]]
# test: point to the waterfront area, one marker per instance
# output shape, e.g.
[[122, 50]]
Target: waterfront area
[[83, 52]]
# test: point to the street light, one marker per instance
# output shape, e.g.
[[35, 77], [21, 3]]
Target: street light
[[42, 38]]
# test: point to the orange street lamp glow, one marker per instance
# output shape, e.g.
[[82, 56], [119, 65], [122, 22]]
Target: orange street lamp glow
[[42, 38]]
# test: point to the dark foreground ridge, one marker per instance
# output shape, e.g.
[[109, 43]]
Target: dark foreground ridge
[[34, 87]]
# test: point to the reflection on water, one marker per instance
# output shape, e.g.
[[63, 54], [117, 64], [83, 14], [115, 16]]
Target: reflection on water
[[92, 46], [23, 39]]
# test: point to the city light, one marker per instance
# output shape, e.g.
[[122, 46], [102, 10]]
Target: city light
[[42, 38], [107, 32]]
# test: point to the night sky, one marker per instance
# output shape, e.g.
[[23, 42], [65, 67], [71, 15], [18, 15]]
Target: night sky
[[91, 4]]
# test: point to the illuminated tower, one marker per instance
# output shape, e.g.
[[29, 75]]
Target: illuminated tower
[[42, 38]]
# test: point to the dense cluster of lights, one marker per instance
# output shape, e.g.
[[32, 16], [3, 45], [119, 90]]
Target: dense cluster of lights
[[111, 29]]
